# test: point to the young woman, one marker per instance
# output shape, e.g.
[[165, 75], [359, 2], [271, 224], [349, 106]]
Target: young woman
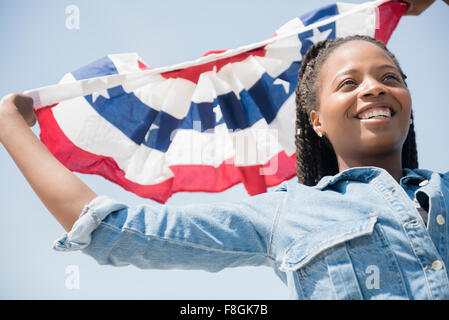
[[362, 223]]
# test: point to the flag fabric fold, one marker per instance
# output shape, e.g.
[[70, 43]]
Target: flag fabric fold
[[204, 125]]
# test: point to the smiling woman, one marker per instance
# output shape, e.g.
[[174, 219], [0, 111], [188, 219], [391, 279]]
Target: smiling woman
[[353, 109], [363, 223], [349, 230]]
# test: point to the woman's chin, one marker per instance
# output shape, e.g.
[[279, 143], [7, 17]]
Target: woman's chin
[[381, 144]]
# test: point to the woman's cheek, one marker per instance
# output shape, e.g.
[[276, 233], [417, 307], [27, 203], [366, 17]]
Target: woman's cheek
[[404, 98]]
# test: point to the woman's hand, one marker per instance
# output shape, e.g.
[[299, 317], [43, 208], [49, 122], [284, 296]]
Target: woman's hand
[[416, 7], [18, 102], [14, 108]]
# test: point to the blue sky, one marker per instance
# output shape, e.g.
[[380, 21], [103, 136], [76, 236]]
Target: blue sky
[[38, 49]]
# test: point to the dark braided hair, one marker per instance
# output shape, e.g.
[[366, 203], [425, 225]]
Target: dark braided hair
[[315, 156]]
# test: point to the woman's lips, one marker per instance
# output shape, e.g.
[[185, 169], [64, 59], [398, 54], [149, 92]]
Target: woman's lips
[[378, 120], [376, 114]]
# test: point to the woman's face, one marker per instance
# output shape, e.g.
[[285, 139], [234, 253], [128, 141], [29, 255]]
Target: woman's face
[[364, 105]]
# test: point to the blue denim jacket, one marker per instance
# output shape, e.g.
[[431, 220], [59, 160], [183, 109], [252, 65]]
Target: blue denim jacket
[[355, 235]]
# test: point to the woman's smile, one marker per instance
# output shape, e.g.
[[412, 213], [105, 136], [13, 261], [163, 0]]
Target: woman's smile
[[376, 114]]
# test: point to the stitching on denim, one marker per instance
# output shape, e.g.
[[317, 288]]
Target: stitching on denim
[[305, 258], [338, 272], [390, 247], [295, 274], [378, 186], [334, 290], [90, 210], [362, 222], [341, 238], [441, 204], [187, 244], [274, 227]]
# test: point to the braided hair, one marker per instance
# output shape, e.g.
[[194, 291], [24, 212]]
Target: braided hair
[[315, 156]]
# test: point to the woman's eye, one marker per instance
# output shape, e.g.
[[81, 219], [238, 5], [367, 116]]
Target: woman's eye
[[345, 83], [390, 76]]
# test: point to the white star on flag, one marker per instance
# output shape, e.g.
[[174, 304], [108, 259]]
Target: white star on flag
[[104, 93], [318, 35], [285, 84]]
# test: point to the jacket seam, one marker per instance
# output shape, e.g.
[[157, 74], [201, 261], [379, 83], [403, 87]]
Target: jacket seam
[[396, 262], [182, 243], [273, 229]]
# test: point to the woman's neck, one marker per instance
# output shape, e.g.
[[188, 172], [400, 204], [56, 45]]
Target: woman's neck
[[391, 163]]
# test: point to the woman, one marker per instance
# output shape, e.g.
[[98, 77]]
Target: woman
[[362, 223]]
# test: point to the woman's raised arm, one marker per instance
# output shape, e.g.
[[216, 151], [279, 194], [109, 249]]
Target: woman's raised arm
[[61, 191], [209, 237]]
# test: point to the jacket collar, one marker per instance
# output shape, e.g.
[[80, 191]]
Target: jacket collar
[[363, 174], [366, 174], [415, 176]]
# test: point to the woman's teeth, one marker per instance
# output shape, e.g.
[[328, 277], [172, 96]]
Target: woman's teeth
[[375, 113]]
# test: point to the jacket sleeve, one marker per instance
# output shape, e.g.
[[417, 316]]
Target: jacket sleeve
[[207, 236]]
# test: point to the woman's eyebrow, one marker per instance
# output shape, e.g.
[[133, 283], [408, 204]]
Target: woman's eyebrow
[[345, 72], [353, 70], [387, 66]]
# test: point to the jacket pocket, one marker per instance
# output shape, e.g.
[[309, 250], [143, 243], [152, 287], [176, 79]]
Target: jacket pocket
[[306, 248], [345, 260]]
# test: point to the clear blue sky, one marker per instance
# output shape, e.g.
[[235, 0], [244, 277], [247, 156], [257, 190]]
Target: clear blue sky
[[37, 49]]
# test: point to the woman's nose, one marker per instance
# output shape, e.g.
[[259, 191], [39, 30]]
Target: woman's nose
[[372, 88]]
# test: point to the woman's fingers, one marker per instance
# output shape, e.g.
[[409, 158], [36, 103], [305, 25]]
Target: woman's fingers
[[416, 7], [22, 103]]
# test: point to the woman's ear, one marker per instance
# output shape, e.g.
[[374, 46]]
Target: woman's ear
[[316, 124]]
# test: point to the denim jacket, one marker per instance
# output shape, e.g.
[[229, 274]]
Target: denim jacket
[[355, 235]]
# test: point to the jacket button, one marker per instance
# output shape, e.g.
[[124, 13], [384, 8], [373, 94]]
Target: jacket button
[[437, 265], [423, 183], [440, 219]]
